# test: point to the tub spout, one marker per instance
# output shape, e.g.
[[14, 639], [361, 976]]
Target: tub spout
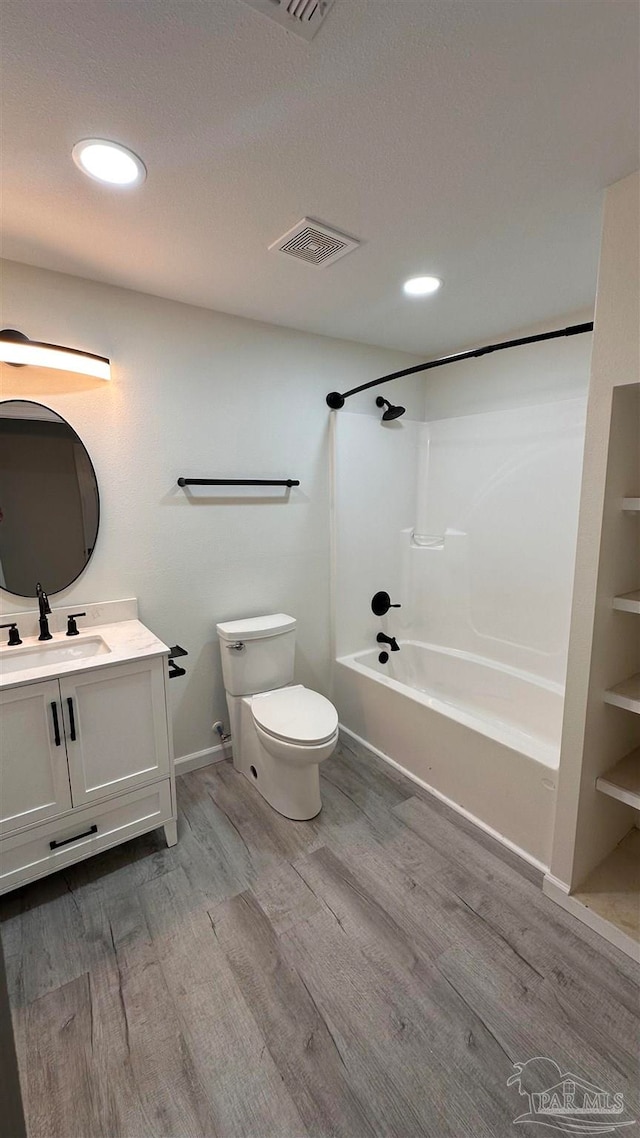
[[390, 640]]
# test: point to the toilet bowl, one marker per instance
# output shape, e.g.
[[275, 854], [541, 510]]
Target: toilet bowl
[[281, 731], [288, 767], [295, 753]]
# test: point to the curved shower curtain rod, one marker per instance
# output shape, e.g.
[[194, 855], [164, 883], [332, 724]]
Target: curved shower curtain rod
[[335, 400]]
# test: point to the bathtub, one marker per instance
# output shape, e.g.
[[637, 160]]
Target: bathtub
[[482, 736]]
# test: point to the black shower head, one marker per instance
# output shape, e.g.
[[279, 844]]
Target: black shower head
[[391, 411]]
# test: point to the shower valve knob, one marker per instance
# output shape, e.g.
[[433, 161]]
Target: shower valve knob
[[381, 603]]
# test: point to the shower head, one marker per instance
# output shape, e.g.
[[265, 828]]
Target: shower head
[[391, 411]]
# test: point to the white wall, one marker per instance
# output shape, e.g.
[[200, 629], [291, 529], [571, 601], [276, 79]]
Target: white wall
[[518, 377], [199, 393]]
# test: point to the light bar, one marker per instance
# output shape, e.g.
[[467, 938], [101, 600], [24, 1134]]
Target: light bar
[[16, 349]]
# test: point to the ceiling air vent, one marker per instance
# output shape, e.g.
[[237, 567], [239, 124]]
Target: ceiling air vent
[[315, 243], [300, 16]]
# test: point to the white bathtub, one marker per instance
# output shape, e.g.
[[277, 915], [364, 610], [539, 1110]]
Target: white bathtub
[[482, 736]]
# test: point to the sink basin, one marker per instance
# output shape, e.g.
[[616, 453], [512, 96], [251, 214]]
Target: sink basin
[[50, 653]]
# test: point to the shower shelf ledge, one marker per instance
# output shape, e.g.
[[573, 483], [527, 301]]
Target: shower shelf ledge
[[631, 504], [626, 694], [628, 602], [623, 780]]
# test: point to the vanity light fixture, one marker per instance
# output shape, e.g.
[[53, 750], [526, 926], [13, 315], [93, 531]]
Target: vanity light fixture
[[109, 162], [421, 286], [18, 350]]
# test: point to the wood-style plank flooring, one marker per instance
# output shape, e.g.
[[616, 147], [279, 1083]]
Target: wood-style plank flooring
[[375, 971]]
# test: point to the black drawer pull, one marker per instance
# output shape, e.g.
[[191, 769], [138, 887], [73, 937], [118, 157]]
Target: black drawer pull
[[65, 842], [72, 722], [56, 725]]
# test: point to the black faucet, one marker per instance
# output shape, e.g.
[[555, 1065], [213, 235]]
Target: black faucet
[[45, 608], [390, 640]]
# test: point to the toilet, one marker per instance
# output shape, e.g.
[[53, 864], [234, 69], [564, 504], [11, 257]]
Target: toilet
[[281, 731]]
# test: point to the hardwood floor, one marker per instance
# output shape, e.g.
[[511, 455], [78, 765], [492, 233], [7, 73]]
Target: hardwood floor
[[376, 971]]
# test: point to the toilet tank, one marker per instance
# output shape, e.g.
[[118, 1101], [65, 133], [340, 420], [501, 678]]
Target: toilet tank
[[265, 660]]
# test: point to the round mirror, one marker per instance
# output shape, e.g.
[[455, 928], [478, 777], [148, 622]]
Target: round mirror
[[49, 503]]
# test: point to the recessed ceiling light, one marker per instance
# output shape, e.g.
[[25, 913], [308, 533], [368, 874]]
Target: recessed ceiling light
[[421, 286], [108, 162]]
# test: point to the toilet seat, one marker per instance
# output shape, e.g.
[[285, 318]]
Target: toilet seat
[[295, 715]]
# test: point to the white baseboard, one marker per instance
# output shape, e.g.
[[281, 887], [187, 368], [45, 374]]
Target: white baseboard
[[199, 759], [554, 887], [449, 802], [558, 891]]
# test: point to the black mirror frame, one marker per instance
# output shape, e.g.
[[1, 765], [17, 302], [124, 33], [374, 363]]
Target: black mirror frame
[[52, 592]]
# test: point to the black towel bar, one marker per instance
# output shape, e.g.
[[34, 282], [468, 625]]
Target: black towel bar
[[238, 482]]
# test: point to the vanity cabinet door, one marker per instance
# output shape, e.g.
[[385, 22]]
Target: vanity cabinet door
[[34, 780], [115, 724]]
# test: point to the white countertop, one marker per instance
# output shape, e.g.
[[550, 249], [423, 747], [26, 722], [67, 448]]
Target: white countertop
[[126, 640]]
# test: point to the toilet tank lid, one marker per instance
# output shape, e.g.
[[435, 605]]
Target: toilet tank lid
[[256, 627]]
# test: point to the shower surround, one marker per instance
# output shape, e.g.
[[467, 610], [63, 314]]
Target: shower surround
[[469, 523]]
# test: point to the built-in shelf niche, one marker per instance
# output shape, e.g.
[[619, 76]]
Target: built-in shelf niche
[[612, 889], [623, 780], [626, 694], [595, 865], [628, 602], [605, 890]]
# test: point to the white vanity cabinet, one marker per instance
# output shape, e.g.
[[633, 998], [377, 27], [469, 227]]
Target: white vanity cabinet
[[85, 763], [115, 729], [34, 777]]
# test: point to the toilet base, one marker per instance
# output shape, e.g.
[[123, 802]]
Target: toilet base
[[289, 807], [291, 788]]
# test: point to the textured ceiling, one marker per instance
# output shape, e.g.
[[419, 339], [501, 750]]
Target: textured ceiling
[[467, 138]]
